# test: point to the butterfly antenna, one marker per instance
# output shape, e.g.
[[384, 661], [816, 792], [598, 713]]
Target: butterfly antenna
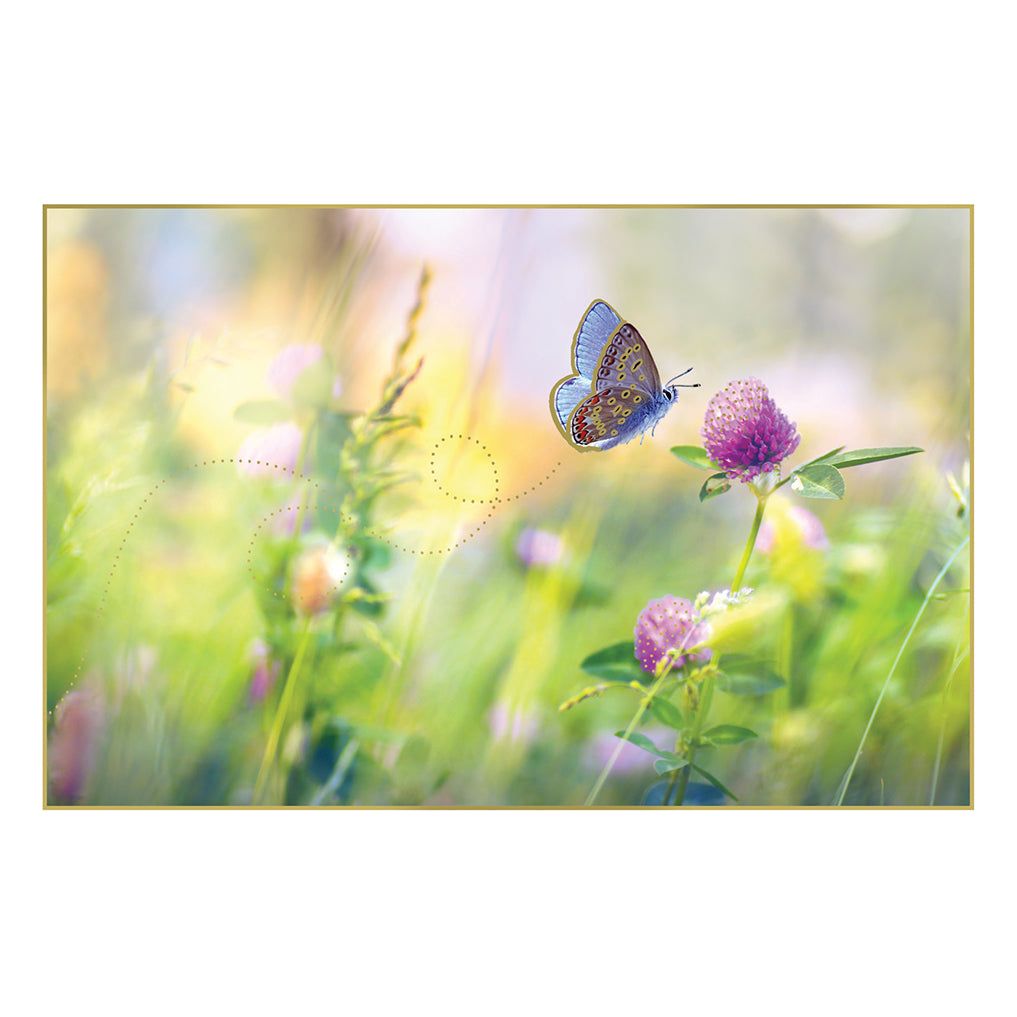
[[682, 375]]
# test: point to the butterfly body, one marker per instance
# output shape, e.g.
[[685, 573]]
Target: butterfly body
[[615, 394]]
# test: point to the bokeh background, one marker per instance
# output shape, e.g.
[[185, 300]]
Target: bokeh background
[[176, 613]]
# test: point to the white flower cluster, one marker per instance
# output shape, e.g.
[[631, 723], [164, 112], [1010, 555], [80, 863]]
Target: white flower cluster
[[708, 603]]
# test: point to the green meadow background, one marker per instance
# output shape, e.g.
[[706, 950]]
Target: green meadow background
[[436, 678]]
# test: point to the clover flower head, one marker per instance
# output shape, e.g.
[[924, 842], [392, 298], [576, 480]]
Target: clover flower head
[[539, 549], [289, 363], [666, 627], [745, 432]]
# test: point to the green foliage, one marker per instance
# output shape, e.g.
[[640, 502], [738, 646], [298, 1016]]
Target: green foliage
[[615, 663], [667, 713], [728, 734], [713, 486], [666, 761], [861, 456], [715, 781], [818, 481], [694, 456], [642, 742]]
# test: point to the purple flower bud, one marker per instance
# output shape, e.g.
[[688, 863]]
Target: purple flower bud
[[539, 549], [745, 432], [669, 623], [270, 451], [289, 363]]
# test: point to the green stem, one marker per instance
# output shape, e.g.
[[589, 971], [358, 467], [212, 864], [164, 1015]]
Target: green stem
[[271, 746], [707, 692], [643, 707], [750, 543], [706, 697], [675, 774], [298, 471]]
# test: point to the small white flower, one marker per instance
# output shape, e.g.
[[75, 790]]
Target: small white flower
[[708, 603]]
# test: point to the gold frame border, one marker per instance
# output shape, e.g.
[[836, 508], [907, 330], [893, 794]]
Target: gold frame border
[[47, 807]]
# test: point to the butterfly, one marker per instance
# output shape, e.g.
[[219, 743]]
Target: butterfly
[[615, 392]]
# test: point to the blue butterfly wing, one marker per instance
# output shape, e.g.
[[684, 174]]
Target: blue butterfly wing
[[567, 395], [595, 329], [613, 416], [626, 362]]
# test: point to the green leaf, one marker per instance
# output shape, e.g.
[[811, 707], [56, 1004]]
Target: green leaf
[[714, 781], [728, 734], [313, 387], [641, 741], [825, 457], [818, 481], [666, 712], [712, 486], [616, 663], [861, 456], [644, 743], [670, 765], [745, 676], [694, 456], [263, 411]]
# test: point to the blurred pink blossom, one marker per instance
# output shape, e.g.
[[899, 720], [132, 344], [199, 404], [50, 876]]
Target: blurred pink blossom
[[289, 363], [270, 451], [265, 673], [539, 549], [512, 724], [284, 523], [74, 742]]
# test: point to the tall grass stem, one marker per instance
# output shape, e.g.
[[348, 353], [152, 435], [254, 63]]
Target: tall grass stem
[[893, 668], [271, 746]]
